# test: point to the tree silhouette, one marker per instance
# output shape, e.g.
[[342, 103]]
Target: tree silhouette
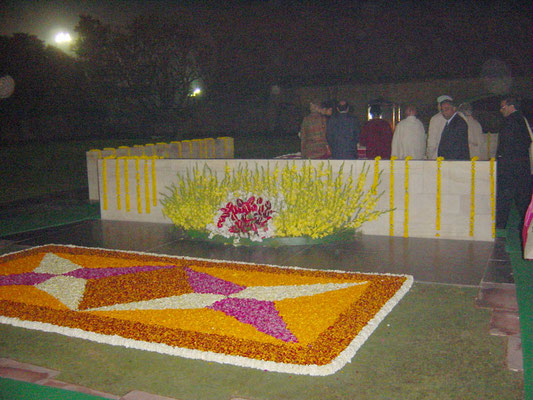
[[46, 103], [146, 70]]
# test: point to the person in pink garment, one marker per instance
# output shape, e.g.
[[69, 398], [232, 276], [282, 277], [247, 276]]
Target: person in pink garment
[[376, 135]]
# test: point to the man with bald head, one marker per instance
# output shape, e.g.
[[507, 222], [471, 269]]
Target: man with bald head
[[409, 139]]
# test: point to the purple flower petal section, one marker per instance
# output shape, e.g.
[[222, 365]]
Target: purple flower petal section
[[263, 315], [98, 273], [28, 278], [205, 283]]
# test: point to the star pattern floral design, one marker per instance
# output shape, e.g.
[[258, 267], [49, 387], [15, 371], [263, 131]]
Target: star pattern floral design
[[274, 318], [253, 305]]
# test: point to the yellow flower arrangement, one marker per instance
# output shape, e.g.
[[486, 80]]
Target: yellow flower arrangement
[[310, 201]]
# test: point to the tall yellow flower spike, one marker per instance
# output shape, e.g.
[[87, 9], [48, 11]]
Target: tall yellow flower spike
[[473, 195], [127, 184], [117, 182], [492, 197], [376, 171], [138, 185], [154, 186], [104, 182], [146, 186], [406, 198], [391, 198], [439, 183]]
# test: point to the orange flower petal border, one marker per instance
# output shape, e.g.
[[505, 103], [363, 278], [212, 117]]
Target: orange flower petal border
[[275, 318]]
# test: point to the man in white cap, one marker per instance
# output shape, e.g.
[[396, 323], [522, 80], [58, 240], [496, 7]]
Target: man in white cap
[[436, 126]]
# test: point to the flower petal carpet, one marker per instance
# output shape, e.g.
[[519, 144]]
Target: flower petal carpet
[[281, 319]]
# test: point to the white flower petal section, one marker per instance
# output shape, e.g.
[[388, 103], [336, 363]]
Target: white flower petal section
[[274, 293], [67, 289], [53, 264], [186, 301]]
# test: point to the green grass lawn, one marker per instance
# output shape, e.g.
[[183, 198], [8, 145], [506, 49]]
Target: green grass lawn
[[32, 170]]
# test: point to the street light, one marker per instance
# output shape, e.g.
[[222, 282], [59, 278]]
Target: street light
[[62, 38]]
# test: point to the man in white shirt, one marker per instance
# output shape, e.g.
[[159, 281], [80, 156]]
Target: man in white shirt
[[436, 126], [409, 137]]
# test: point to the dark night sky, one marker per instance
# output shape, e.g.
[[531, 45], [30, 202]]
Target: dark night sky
[[372, 40], [44, 18]]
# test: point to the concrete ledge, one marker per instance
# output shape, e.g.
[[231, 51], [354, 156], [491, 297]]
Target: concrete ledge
[[504, 323], [25, 372], [77, 388], [515, 359], [138, 395]]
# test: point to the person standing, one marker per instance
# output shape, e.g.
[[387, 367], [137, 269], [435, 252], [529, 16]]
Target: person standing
[[475, 133], [376, 135], [514, 171], [342, 133], [453, 143], [409, 137], [313, 133], [436, 125]]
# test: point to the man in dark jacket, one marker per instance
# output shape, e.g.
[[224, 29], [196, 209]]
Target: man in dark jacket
[[514, 174], [454, 138], [343, 133]]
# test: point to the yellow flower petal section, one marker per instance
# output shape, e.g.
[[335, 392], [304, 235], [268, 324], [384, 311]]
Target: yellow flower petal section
[[196, 320], [307, 317], [21, 265], [259, 278], [30, 295], [94, 261]]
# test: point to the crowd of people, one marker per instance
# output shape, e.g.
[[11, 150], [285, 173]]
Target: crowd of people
[[332, 131]]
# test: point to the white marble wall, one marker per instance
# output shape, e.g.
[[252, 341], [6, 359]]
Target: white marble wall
[[422, 217], [221, 147]]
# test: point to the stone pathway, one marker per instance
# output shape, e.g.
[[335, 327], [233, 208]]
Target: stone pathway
[[498, 293]]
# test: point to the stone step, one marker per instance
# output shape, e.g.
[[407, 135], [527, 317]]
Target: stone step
[[498, 298], [515, 358], [504, 323], [139, 395], [43, 376], [25, 372]]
